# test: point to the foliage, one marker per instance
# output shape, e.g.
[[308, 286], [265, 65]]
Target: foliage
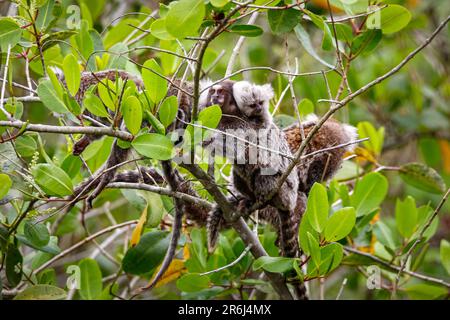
[[382, 209]]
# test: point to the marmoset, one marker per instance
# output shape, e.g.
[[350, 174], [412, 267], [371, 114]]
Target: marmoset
[[256, 172]]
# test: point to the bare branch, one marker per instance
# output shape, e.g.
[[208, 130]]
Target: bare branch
[[123, 135]]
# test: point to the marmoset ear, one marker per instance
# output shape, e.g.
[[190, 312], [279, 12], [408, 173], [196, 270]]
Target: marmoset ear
[[242, 91], [267, 91]]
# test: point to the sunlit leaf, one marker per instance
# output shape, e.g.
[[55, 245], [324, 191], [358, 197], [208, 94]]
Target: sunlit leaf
[[42, 292], [153, 145], [185, 17], [53, 180]]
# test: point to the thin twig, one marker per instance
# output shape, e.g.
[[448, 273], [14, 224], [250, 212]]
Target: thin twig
[[242, 255]]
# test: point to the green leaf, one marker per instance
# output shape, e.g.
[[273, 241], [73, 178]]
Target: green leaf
[[366, 42], [210, 116], [369, 192], [393, 18], [147, 254], [53, 180], [55, 82], [305, 107], [219, 3], [36, 233], [246, 30], [406, 216], [158, 30], [108, 94], [155, 85], [10, 33], [155, 123], [26, 146], [274, 264], [317, 207], [340, 224], [5, 184], [425, 291], [84, 41], [305, 40], [72, 74], [132, 114], [50, 98], [330, 257], [192, 282], [153, 145], [72, 104], [283, 21], [94, 105], [51, 247], [185, 17], [13, 265], [91, 279], [72, 165], [384, 235], [42, 292], [375, 142], [422, 177], [445, 254], [168, 111], [305, 228], [314, 249]]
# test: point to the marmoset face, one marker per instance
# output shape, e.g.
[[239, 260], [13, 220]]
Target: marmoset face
[[218, 95]]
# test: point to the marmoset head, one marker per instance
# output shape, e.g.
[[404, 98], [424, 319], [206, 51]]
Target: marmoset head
[[251, 99], [222, 95]]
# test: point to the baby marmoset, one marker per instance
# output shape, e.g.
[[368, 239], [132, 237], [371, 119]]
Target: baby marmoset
[[321, 166]]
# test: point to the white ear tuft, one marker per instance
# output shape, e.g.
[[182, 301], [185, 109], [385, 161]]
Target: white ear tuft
[[267, 91], [242, 91], [352, 133]]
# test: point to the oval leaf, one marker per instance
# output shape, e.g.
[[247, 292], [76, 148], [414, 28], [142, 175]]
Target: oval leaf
[[391, 19], [369, 193], [406, 216], [26, 146], [42, 292], [91, 279], [155, 85], [147, 254], [36, 233], [193, 282], [246, 30], [317, 207], [72, 74], [132, 114], [274, 264], [422, 177], [168, 111], [94, 105], [50, 98], [5, 184], [10, 33], [340, 224], [282, 21], [185, 17], [153, 145], [53, 180]]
